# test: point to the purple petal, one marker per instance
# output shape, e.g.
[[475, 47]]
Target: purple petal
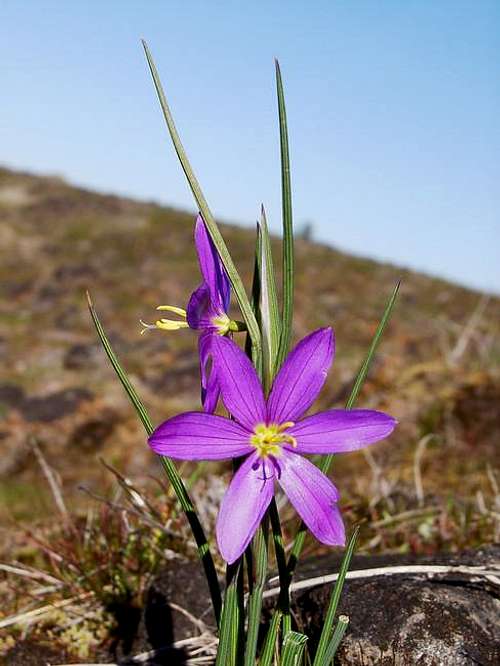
[[211, 266], [239, 385], [209, 384], [314, 497], [302, 376], [201, 310], [243, 506], [199, 436], [341, 430]]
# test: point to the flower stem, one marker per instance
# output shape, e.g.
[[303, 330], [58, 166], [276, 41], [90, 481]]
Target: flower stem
[[169, 467], [256, 583], [236, 282]]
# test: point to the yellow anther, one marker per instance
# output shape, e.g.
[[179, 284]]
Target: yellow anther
[[285, 426], [168, 324], [172, 308], [268, 439], [290, 440]]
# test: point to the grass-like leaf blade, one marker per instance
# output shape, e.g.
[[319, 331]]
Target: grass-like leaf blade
[[169, 467], [335, 641], [270, 642], [365, 366], [288, 251], [236, 282], [254, 607], [326, 632], [294, 645], [358, 383], [268, 305], [230, 628]]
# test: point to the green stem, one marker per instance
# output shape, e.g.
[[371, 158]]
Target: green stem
[[288, 251], [168, 466], [326, 632], [230, 620], [256, 584], [270, 642], [336, 639], [236, 282], [283, 573], [360, 378]]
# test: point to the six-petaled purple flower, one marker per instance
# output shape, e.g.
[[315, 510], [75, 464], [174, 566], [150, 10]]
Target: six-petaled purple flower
[[273, 436], [206, 311]]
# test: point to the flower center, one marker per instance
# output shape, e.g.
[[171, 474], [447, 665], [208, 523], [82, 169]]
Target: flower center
[[222, 323], [268, 439]]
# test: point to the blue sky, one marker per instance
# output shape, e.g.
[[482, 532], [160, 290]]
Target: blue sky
[[393, 109]]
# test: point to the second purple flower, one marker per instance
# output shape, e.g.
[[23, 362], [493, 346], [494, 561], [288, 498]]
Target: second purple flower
[[206, 312]]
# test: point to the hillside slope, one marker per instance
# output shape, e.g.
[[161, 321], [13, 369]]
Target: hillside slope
[[435, 373]]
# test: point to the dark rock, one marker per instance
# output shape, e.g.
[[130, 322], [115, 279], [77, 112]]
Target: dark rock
[[159, 624], [475, 414], [14, 288], [54, 406], [446, 619], [180, 583], [81, 356], [91, 435], [400, 619], [183, 378], [32, 653], [72, 272], [12, 396]]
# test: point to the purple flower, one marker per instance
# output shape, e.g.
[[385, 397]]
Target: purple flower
[[274, 438], [206, 311]]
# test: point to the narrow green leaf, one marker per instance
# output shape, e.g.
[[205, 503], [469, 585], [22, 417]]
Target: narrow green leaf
[[256, 358], [168, 465], [294, 645], [227, 650], [365, 366], [335, 641], [326, 632], [270, 647], [288, 252], [282, 612], [122, 375], [284, 576], [358, 384], [254, 610], [287, 619], [256, 281], [213, 229], [270, 324]]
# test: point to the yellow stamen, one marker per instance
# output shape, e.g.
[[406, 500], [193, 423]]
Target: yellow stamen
[[268, 439], [168, 324], [172, 308]]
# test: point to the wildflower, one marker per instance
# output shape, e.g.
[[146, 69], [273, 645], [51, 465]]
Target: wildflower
[[206, 311], [273, 437]]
